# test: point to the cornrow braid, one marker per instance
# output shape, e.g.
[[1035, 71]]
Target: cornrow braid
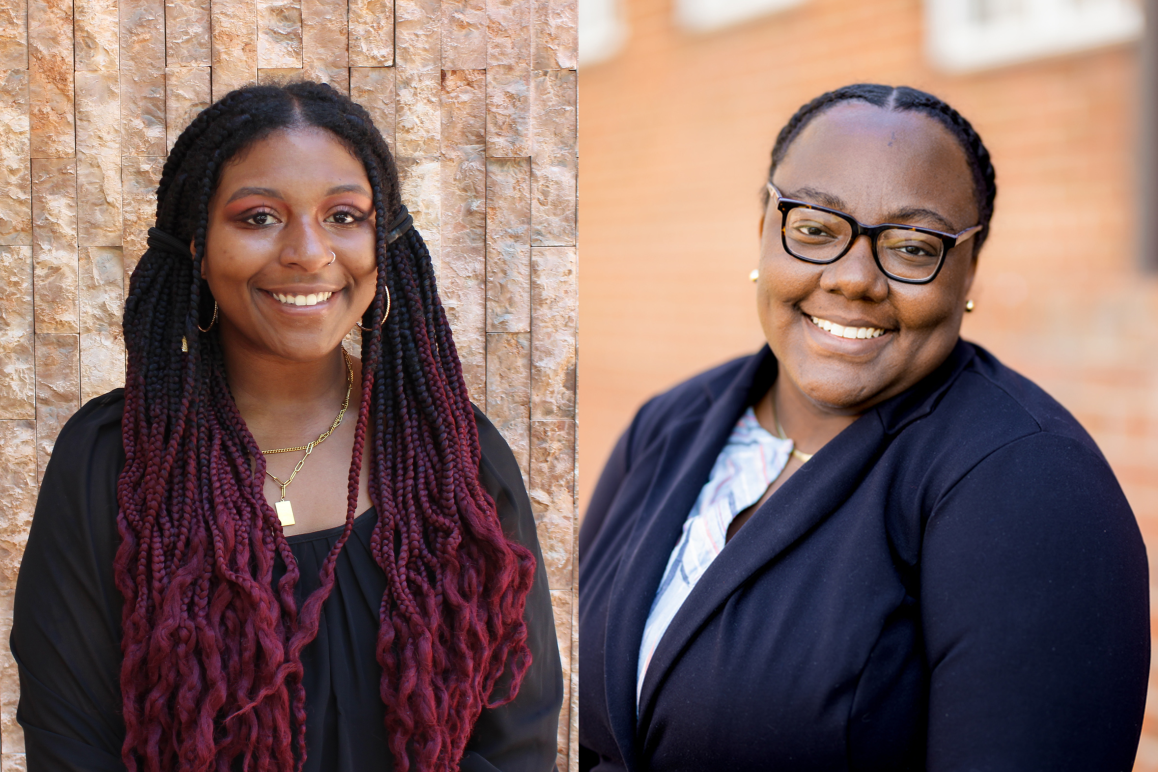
[[903, 98], [212, 676]]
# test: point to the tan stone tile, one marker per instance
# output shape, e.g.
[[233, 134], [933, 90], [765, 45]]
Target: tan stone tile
[[279, 76], [509, 33], [562, 602], [279, 33], [462, 280], [509, 391], [102, 363], [338, 77], [187, 93], [95, 36], [14, 35], [464, 35], [11, 735], [508, 111], [102, 348], [374, 89], [17, 366], [187, 38], [54, 258], [555, 34], [464, 109], [15, 147], [325, 34], [419, 116], [417, 34], [554, 166], [50, 78], [371, 33], [234, 25], [552, 492], [139, 179], [555, 308], [142, 77], [508, 249], [420, 181], [98, 158], [13, 762], [102, 296], [17, 497], [57, 389]]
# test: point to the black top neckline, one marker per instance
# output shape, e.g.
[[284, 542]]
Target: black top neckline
[[329, 533]]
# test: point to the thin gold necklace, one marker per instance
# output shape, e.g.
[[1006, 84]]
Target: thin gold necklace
[[285, 512], [804, 457]]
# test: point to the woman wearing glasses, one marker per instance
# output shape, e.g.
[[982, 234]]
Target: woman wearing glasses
[[871, 545]]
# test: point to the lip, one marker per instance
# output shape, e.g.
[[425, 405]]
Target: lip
[[847, 346]]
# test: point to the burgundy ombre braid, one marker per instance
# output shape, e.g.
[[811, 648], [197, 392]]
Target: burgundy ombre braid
[[212, 673]]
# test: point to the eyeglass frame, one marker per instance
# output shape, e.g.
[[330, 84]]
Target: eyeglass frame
[[949, 240]]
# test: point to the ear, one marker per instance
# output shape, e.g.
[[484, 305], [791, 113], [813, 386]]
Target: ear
[[972, 273], [761, 227]]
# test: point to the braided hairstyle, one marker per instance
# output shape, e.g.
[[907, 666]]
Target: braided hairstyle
[[897, 99], [212, 674]]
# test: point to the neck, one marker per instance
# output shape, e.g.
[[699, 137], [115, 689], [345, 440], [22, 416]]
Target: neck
[[287, 403], [805, 423]]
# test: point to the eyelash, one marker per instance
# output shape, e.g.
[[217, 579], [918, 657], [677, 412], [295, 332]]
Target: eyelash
[[354, 213]]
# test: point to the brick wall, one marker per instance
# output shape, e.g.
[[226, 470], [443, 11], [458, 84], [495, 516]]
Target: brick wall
[[676, 132], [476, 98]]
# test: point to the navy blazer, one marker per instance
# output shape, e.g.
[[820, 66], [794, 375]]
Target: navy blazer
[[954, 582]]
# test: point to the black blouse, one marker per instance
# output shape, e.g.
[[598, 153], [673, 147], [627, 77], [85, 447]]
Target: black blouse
[[66, 634]]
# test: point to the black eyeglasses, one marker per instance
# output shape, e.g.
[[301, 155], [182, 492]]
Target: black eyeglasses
[[904, 253]]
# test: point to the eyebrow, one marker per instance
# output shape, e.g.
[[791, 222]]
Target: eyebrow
[[271, 193], [898, 216]]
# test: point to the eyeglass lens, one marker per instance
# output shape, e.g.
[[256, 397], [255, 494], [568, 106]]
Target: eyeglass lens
[[821, 236]]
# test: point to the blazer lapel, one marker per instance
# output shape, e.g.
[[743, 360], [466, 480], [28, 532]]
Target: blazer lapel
[[807, 498], [688, 455]]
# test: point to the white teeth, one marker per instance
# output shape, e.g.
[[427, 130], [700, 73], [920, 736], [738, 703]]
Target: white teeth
[[853, 333], [303, 300]]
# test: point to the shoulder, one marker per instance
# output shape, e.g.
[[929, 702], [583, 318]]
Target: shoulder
[[999, 419], [90, 444]]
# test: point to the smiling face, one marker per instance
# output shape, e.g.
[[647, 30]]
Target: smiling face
[[289, 253], [879, 167]]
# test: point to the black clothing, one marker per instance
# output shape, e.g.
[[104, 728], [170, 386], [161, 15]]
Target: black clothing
[[954, 582], [66, 635]]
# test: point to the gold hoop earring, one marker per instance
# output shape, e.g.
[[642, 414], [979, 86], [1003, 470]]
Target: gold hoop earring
[[385, 316], [211, 321], [968, 306]]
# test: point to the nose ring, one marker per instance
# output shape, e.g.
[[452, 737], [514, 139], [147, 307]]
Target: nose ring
[[333, 257]]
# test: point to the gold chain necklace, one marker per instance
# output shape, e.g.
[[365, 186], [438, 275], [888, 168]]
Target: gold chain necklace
[[285, 512], [804, 457]]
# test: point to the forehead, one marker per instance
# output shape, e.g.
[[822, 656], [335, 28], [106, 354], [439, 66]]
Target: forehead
[[879, 159], [299, 152]]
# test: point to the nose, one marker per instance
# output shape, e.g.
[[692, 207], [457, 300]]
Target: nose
[[305, 244], [856, 275]]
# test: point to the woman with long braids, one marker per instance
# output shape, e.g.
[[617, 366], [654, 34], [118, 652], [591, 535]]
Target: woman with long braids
[[266, 554], [870, 546]]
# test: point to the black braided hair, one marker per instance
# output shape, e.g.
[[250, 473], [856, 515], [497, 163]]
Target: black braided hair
[[900, 98], [212, 676]]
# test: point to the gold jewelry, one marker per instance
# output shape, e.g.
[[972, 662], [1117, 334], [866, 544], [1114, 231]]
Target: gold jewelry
[[211, 321], [804, 457], [285, 512], [384, 316], [755, 275], [968, 306]]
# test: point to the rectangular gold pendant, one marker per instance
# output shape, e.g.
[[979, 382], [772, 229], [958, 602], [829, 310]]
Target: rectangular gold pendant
[[285, 513]]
